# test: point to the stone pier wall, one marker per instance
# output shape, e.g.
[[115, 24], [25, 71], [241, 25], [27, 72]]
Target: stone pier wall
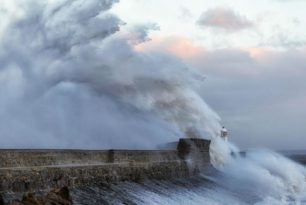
[[33, 170]]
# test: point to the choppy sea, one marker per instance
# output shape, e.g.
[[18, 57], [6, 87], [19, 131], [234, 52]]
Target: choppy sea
[[260, 177]]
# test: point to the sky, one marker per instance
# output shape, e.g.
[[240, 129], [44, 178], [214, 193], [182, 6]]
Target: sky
[[252, 53], [73, 72]]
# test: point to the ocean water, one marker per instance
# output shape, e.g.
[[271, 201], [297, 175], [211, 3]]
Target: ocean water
[[259, 177]]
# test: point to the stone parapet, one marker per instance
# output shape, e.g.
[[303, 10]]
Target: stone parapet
[[32, 170]]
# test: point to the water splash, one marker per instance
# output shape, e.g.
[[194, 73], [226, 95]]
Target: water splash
[[267, 175], [76, 80]]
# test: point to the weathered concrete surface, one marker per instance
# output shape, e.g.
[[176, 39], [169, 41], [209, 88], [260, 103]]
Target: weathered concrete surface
[[32, 170], [28, 158], [196, 152], [194, 147], [38, 178]]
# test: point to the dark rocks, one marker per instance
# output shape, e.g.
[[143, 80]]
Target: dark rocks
[[16, 203], [1, 200], [55, 197], [59, 197], [29, 199]]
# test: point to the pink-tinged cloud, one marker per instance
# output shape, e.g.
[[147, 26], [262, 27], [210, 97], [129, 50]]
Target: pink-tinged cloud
[[260, 92], [225, 19], [179, 46], [247, 62], [256, 52]]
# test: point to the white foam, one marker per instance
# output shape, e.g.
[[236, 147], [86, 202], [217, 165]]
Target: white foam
[[269, 176]]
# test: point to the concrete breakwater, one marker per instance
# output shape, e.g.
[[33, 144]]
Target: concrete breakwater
[[33, 170]]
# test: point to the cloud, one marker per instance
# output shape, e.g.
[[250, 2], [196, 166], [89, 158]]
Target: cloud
[[179, 46], [259, 93], [260, 97], [281, 39], [185, 13], [138, 34], [224, 19]]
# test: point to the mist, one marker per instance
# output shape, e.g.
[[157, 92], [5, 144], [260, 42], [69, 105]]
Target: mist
[[71, 79]]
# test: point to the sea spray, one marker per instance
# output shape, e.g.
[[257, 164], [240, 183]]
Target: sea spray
[[264, 174], [71, 79]]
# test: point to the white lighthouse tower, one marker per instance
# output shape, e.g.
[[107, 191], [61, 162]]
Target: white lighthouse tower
[[224, 133]]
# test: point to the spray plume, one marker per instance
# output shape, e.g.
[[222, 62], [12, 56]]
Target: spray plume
[[264, 175], [71, 78]]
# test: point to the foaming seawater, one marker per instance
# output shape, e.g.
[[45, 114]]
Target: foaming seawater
[[264, 175], [192, 191], [256, 177]]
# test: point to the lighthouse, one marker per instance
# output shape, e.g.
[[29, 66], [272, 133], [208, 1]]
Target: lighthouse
[[224, 133]]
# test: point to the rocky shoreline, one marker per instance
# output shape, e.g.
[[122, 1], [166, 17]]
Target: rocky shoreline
[[54, 197]]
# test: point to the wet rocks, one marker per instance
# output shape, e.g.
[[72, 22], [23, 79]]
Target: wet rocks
[[1, 200], [59, 197], [54, 197]]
